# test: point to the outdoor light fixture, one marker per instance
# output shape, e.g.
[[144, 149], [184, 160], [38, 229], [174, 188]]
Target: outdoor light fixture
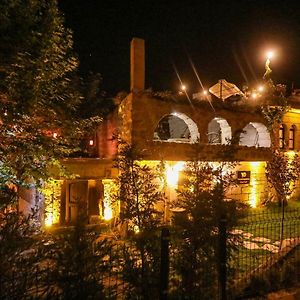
[[91, 142], [183, 87], [204, 92]]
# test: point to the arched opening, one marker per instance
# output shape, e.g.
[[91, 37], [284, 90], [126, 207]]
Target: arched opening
[[219, 131], [255, 135], [177, 127]]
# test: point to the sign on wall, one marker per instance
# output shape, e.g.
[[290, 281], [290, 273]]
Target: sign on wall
[[243, 177]]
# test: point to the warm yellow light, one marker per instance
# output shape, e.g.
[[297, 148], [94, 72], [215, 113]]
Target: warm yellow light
[[108, 207], [183, 87], [172, 173], [270, 55], [91, 142], [261, 88], [205, 92], [136, 229], [55, 135], [254, 95], [290, 154], [256, 168], [108, 214], [49, 219]]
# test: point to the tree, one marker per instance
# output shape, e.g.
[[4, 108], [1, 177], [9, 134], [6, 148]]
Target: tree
[[139, 194], [282, 173], [38, 94], [39, 123], [203, 202]]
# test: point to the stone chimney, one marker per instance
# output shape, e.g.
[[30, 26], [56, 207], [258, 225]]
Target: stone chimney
[[137, 64]]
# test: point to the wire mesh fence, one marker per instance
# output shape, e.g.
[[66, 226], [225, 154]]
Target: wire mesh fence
[[266, 256]]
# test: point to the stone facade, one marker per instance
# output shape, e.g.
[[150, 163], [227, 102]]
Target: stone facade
[[171, 128]]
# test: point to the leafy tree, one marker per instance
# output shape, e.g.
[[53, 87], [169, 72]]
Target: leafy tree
[[196, 250], [39, 99], [282, 173], [76, 261], [139, 193]]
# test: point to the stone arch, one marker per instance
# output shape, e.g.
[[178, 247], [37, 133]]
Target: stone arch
[[177, 127], [219, 131], [255, 135]]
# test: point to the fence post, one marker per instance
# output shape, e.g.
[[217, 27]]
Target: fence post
[[222, 258], [164, 264]]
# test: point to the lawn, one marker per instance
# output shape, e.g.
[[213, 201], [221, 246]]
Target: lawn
[[261, 235]]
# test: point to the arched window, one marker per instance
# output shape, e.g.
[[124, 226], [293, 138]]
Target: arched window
[[292, 137], [177, 127], [281, 136], [219, 132], [255, 135]]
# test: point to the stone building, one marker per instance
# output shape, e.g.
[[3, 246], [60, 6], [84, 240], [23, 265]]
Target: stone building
[[168, 127]]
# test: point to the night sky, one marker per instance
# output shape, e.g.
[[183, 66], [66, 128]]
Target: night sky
[[225, 39]]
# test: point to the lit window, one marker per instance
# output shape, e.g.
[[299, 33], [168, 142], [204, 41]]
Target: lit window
[[292, 138], [281, 137]]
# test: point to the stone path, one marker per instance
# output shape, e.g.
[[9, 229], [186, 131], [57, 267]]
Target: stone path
[[261, 243]]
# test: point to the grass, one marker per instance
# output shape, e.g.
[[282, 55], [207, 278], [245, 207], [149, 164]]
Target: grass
[[265, 222]]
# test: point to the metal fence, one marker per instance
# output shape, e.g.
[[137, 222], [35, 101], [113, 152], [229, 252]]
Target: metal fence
[[266, 256]]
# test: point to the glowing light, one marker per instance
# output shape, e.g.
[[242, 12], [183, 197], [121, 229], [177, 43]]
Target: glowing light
[[172, 173], [108, 214], [109, 189], [261, 88], [254, 95], [49, 219], [55, 135], [91, 142], [136, 229], [270, 55], [256, 168], [183, 87], [204, 92]]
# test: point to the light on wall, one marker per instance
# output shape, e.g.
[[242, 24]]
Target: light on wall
[[109, 190], [172, 173], [49, 219]]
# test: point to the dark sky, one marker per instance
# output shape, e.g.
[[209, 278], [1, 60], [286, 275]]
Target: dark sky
[[224, 39]]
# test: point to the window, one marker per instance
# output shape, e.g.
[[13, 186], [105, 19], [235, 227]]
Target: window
[[281, 136], [292, 138]]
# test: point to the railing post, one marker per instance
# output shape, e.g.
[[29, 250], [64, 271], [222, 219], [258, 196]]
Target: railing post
[[164, 264], [222, 258]]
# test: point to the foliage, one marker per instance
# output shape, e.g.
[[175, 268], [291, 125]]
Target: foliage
[[38, 93], [75, 260], [274, 102], [18, 255], [139, 194], [139, 191], [203, 202], [282, 172]]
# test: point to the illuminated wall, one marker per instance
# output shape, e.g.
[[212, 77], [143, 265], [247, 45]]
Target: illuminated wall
[[110, 207], [52, 192]]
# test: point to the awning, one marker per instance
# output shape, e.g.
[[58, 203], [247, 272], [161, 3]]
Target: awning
[[224, 89]]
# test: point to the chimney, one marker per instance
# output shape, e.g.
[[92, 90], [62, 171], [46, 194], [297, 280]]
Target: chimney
[[137, 64]]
